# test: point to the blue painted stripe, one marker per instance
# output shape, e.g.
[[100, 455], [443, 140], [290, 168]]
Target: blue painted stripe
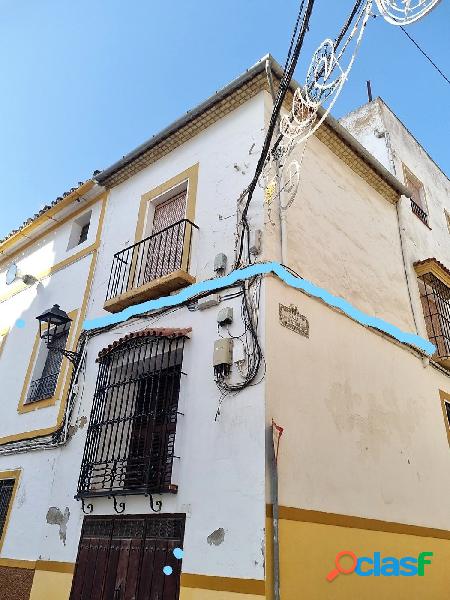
[[298, 283]]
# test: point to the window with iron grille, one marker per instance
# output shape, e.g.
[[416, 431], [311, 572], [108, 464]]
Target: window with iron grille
[[6, 491], [447, 411], [47, 368], [435, 297], [131, 433]]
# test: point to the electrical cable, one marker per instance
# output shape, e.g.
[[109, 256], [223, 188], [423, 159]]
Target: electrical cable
[[282, 90], [425, 54]]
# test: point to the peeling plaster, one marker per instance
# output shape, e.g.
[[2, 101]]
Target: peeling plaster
[[216, 537], [56, 517]]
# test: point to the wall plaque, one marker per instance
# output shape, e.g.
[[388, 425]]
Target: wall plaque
[[291, 318]]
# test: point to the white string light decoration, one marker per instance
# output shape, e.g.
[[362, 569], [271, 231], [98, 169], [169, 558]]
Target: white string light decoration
[[329, 70], [405, 12], [326, 76]]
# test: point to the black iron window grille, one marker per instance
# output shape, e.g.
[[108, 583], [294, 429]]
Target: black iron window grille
[[131, 434], [435, 297], [419, 212], [447, 410], [154, 257], [45, 385], [6, 491]]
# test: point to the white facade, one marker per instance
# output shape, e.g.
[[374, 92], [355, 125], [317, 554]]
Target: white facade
[[342, 233], [220, 472]]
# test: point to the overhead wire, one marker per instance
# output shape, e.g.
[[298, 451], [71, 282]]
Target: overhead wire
[[430, 60], [286, 79]]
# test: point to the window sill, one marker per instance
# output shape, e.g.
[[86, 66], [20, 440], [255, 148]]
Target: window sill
[[154, 289]]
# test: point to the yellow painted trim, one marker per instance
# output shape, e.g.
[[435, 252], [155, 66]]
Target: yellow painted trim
[[432, 266], [25, 231], [14, 563], [55, 566], [152, 289], [223, 584], [191, 176], [9, 475], [27, 435], [445, 399], [64, 372], [67, 261], [177, 279], [290, 513], [3, 336]]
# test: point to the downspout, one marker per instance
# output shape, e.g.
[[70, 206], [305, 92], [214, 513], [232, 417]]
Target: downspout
[[281, 212], [401, 222], [275, 515]]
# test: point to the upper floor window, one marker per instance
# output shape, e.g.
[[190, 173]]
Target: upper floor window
[[159, 261], [417, 191], [80, 230], [434, 287], [447, 217], [131, 433], [3, 336], [47, 368]]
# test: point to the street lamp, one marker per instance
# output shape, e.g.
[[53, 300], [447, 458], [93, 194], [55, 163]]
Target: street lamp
[[52, 323]]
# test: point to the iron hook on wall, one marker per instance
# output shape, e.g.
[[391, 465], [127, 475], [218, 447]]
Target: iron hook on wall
[[86, 508], [119, 507], [158, 503]]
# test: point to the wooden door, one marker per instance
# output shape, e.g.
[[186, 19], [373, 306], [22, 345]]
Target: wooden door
[[165, 250], [122, 558]]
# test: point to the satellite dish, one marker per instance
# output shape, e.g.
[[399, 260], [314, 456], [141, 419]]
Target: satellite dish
[[11, 274]]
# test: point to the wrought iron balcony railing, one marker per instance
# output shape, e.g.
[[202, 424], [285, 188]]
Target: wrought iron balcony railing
[[42, 388], [154, 257], [419, 212]]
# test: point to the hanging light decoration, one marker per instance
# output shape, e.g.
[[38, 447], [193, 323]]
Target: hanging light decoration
[[405, 12]]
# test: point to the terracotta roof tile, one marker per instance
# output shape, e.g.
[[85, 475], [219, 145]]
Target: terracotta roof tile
[[435, 261], [42, 211], [170, 332]]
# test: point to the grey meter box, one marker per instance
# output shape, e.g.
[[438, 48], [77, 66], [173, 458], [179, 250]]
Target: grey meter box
[[225, 315], [223, 352]]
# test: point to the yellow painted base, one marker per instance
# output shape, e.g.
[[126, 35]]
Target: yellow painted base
[[308, 550], [154, 289], [200, 594], [48, 585]]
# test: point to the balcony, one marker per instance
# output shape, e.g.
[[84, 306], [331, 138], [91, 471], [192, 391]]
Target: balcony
[[153, 267], [419, 212]]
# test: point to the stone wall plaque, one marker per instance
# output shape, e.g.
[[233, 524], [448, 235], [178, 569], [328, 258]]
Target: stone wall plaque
[[291, 318]]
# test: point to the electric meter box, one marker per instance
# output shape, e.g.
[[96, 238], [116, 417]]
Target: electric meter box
[[225, 315], [223, 352]]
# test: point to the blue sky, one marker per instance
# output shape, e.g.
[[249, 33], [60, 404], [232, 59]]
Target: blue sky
[[85, 82]]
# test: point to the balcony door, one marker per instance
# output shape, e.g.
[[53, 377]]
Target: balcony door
[[165, 250], [122, 558]]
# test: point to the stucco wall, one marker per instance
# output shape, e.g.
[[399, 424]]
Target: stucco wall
[[364, 428], [343, 236], [66, 287], [226, 154], [378, 129], [220, 474]]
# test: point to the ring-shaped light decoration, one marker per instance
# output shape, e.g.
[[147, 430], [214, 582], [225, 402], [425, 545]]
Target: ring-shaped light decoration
[[329, 69], [405, 12]]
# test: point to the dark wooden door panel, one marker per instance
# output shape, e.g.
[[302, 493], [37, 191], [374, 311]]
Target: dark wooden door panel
[[122, 558]]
